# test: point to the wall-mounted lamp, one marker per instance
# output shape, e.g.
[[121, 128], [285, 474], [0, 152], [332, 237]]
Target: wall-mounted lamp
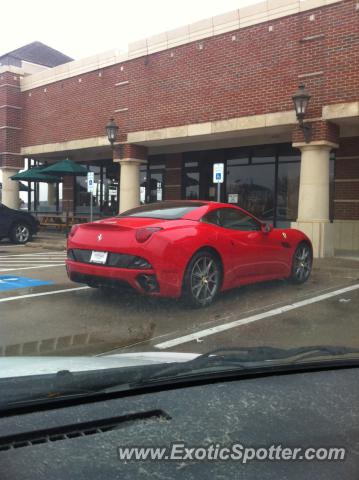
[[301, 99], [112, 131]]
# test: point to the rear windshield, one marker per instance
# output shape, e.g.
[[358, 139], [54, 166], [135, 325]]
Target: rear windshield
[[165, 211]]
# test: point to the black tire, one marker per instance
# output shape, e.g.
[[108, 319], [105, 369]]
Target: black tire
[[20, 233], [302, 263], [202, 279]]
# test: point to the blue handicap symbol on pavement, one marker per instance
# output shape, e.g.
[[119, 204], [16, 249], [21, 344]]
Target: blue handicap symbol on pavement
[[11, 282]]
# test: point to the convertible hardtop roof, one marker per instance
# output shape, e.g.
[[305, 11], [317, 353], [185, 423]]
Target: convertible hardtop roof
[[170, 204], [166, 210], [175, 209]]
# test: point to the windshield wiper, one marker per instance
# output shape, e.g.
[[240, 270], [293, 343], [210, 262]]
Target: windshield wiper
[[76, 386], [250, 358], [265, 353]]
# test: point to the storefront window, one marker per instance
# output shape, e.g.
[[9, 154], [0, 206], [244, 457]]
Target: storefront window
[[251, 179], [264, 154], [109, 189], [152, 183], [143, 183], [287, 192], [105, 192], [262, 179], [46, 197], [82, 197], [252, 187], [60, 196], [191, 177], [155, 183]]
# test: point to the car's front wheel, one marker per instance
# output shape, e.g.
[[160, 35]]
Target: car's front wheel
[[20, 233], [302, 263], [202, 280]]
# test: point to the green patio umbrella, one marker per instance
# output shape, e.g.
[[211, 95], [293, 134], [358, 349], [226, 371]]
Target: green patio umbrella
[[34, 174], [65, 167], [24, 188]]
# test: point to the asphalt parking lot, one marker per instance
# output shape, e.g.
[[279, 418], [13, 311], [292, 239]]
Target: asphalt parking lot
[[43, 313]]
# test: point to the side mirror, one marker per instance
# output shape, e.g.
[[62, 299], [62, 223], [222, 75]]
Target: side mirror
[[266, 227]]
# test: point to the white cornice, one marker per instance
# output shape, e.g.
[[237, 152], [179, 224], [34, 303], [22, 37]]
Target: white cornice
[[65, 146]]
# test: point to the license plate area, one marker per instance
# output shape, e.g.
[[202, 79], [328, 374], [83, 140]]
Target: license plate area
[[98, 257]]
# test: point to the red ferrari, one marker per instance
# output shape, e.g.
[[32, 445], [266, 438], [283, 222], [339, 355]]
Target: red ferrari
[[193, 249]]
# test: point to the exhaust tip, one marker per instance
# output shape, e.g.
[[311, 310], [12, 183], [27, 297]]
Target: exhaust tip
[[148, 283]]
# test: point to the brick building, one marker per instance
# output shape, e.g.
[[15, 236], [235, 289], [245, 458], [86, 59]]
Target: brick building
[[215, 91]]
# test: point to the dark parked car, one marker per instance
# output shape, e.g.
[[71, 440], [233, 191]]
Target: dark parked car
[[17, 225]]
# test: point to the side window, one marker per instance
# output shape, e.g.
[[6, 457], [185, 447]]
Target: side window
[[212, 217], [237, 220]]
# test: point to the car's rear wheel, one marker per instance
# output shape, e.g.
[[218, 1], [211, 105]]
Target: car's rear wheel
[[302, 263], [202, 279], [20, 233]]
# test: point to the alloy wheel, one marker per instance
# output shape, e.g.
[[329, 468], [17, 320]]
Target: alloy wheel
[[205, 277], [302, 263], [22, 233]]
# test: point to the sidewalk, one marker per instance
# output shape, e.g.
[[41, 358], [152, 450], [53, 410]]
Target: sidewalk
[[49, 239], [335, 269]]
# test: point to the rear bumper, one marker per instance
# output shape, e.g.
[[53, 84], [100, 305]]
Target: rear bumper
[[147, 281]]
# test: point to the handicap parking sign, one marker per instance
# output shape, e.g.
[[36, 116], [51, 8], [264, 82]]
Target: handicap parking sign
[[218, 172], [12, 282]]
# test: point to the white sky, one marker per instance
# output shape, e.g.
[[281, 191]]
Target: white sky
[[81, 28]]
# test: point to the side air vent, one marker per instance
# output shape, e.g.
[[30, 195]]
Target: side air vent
[[67, 432]]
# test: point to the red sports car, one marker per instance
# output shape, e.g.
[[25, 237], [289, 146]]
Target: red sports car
[[190, 248]]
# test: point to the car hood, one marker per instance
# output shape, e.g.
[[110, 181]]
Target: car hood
[[26, 366]]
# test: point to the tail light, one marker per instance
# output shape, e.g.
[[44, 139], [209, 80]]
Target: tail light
[[73, 230], [143, 234]]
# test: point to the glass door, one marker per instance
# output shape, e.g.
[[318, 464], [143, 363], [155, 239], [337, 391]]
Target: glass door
[[152, 182], [190, 180]]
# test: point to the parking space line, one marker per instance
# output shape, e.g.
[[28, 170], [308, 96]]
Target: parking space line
[[31, 295], [35, 255], [30, 268], [37, 260], [253, 318]]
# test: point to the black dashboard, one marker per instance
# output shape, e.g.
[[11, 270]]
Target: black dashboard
[[311, 409]]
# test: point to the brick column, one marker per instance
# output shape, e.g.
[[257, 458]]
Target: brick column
[[173, 176], [11, 160], [130, 158], [68, 194], [313, 203]]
